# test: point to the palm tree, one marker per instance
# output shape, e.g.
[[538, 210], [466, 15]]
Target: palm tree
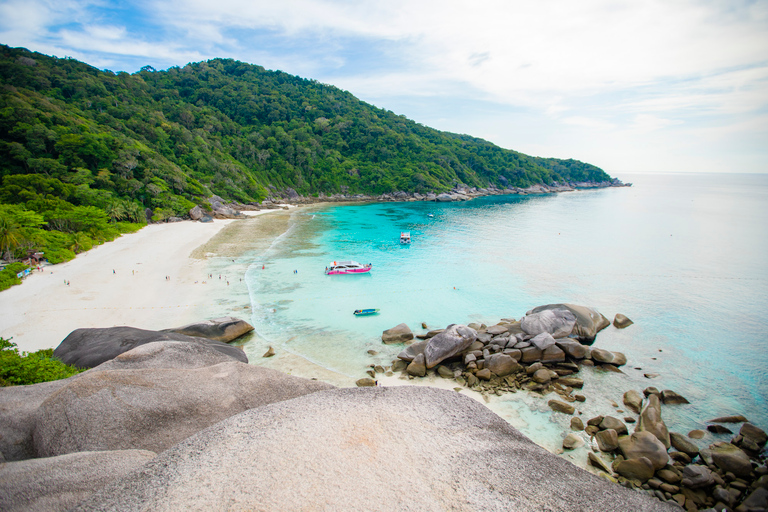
[[116, 210], [10, 237], [135, 213], [79, 240]]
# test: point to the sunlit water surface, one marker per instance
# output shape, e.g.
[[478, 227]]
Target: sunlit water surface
[[684, 256]]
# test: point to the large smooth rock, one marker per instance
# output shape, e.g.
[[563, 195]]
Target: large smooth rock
[[59, 483], [683, 444], [669, 397], [607, 440], [574, 349], [86, 348], [363, 449], [166, 354], [558, 323], [542, 341], [696, 476], [633, 400], [224, 329], [636, 469], [417, 367], [560, 406], [552, 354], [397, 334], [621, 321], [731, 458], [452, 341], [644, 444], [753, 433], [606, 356], [19, 403], [153, 409], [410, 352], [609, 422], [589, 321], [651, 421], [502, 364], [17, 416]]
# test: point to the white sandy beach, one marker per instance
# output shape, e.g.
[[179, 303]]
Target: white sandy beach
[[43, 310]]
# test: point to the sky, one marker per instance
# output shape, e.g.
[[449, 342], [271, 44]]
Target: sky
[[629, 86]]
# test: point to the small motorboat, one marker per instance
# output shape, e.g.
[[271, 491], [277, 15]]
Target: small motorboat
[[363, 312], [430, 215], [405, 237], [346, 267]]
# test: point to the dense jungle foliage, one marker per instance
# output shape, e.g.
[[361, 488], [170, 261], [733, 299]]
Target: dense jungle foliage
[[84, 152], [19, 369]]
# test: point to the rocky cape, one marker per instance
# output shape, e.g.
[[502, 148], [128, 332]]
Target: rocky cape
[[173, 424], [216, 207], [542, 353]]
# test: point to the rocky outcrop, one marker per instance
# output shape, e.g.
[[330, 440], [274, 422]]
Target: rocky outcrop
[[364, 448], [644, 444], [651, 421], [397, 334], [559, 323], [87, 348], [589, 321], [60, 483], [452, 341], [621, 322], [224, 329], [152, 409]]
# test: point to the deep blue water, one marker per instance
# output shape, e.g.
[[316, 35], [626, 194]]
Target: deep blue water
[[684, 256]]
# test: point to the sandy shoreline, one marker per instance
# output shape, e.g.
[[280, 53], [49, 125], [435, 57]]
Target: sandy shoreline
[[153, 279]]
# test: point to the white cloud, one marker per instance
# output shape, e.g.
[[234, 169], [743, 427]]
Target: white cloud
[[630, 68]]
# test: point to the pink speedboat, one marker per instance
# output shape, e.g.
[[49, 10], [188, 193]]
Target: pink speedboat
[[346, 267]]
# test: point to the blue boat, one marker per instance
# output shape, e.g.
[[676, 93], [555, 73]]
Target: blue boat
[[361, 312]]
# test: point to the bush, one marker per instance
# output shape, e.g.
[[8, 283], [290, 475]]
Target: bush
[[25, 368], [8, 275]]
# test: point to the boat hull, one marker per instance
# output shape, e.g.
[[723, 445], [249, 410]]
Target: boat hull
[[348, 271]]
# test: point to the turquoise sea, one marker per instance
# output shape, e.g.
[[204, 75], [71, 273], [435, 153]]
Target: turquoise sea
[[685, 256]]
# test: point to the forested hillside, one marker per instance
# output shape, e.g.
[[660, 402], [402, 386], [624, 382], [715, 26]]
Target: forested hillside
[[83, 152]]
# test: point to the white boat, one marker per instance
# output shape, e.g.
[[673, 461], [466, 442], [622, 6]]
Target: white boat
[[346, 267], [405, 237]]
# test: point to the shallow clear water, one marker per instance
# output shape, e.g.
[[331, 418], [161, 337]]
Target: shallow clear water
[[684, 256]]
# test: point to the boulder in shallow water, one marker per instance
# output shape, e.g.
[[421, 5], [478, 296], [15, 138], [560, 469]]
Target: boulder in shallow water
[[558, 323], [589, 321], [651, 421], [542, 341], [606, 356], [560, 406], [574, 349], [417, 367], [410, 352], [669, 397], [633, 400], [620, 321], [502, 364], [683, 444], [370, 456], [225, 329], [397, 334], [452, 341], [573, 441], [86, 348], [731, 458], [644, 444]]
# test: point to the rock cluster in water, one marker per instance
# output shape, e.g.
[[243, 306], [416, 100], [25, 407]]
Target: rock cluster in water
[[542, 353], [175, 424]]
